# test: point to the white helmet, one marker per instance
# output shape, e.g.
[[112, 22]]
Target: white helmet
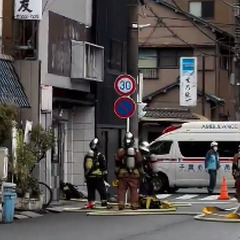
[[214, 144], [144, 146]]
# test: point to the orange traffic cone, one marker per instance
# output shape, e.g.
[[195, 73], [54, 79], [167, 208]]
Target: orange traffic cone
[[223, 191]]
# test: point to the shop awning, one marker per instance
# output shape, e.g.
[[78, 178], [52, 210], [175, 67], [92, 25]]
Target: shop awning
[[11, 90]]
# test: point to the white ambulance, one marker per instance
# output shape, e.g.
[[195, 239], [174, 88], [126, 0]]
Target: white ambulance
[[178, 155]]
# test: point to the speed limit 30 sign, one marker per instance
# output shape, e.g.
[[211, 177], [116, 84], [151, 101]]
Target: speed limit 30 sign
[[125, 85]]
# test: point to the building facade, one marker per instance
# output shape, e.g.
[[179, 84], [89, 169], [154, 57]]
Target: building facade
[[67, 62], [111, 24], [173, 34], [59, 66], [220, 12]]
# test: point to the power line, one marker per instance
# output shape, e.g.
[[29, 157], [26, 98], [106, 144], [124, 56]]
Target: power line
[[50, 4], [228, 4], [184, 41], [174, 34], [45, 5], [151, 33], [196, 26], [186, 20]]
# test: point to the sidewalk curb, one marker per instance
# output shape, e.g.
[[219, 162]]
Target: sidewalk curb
[[135, 213]]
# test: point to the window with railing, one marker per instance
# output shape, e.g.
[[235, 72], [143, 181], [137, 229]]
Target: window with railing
[[147, 63], [151, 60]]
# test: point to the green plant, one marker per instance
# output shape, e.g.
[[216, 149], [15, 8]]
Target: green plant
[[8, 114], [28, 154], [25, 161], [41, 141]]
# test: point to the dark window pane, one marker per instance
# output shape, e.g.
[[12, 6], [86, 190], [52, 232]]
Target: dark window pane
[[161, 148], [199, 149], [208, 9], [167, 58], [153, 135], [116, 51], [227, 149], [194, 149], [187, 52], [170, 57]]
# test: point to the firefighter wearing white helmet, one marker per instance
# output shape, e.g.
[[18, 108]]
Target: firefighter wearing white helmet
[[212, 165], [128, 169], [144, 147], [95, 170]]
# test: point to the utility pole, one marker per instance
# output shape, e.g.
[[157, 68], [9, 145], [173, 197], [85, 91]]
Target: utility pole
[[132, 58], [203, 85], [237, 58]]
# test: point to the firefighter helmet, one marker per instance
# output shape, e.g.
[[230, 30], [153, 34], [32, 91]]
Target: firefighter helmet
[[94, 144], [144, 146], [213, 144], [128, 139]]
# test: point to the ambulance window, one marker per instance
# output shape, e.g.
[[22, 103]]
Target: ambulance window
[[227, 149], [194, 149], [199, 149], [161, 148]]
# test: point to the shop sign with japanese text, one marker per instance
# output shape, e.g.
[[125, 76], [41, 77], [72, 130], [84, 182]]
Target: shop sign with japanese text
[[188, 81], [28, 9]]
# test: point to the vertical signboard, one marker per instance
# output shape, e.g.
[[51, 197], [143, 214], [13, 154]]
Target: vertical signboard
[[188, 81], [28, 9]]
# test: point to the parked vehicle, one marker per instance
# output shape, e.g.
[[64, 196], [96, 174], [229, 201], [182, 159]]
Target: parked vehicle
[[178, 155]]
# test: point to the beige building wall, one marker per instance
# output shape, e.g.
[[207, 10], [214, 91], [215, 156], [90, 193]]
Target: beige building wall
[[160, 36], [223, 12], [171, 100]]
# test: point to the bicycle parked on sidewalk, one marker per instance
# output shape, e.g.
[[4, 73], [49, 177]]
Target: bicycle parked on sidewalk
[[45, 191]]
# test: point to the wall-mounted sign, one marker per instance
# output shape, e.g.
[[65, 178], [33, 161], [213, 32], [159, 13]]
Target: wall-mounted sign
[[28, 9], [188, 81]]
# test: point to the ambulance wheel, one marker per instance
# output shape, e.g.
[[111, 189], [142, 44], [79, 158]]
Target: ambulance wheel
[[159, 183]]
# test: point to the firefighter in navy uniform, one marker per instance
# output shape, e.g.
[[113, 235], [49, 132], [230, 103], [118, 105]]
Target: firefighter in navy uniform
[[146, 186], [95, 171], [128, 170]]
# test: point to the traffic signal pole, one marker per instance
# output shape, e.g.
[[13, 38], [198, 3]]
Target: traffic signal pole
[[132, 60]]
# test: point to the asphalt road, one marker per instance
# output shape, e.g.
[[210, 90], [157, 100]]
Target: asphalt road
[[78, 226], [72, 226]]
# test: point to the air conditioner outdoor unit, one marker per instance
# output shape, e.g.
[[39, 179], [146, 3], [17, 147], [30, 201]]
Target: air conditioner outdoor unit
[[87, 61]]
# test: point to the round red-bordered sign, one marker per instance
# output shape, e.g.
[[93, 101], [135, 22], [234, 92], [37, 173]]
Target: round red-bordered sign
[[125, 85], [124, 107]]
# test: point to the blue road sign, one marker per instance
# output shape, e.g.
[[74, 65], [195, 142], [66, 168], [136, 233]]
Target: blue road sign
[[124, 107]]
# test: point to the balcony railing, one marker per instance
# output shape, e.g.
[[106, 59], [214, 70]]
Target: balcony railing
[[87, 61], [149, 73]]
